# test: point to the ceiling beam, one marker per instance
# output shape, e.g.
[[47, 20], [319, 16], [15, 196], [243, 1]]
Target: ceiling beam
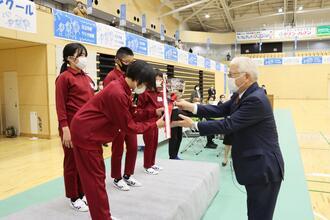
[[183, 8], [197, 11], [223, 17], [312, 11], [246, 4], [227, 13], [198, 18], [259, 8]]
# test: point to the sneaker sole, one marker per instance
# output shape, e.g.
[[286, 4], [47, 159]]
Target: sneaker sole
[[151, 173], [77, 210], [121, 189]]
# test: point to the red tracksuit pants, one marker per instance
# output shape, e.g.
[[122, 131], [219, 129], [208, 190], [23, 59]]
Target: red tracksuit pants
[[150, 139], [91, 167], [117, 154], [73, 188]]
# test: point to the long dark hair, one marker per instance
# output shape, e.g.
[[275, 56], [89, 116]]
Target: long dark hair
[[141, 72], [70, 50]]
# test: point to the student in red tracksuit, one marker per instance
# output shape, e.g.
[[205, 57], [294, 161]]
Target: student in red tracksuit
[[73, 89], [124, 57], [152, 100], [104, 117]]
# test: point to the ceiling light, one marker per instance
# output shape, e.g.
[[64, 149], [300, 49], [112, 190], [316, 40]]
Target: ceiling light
[[280, 10], [207, 16], [300, 8]]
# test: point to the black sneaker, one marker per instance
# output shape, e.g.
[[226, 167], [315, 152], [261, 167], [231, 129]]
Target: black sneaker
[[211, 146]]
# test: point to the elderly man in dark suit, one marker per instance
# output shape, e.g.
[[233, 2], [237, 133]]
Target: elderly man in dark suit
[[256, 154]]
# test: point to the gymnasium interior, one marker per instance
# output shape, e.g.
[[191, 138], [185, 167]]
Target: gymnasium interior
[[194, 40]]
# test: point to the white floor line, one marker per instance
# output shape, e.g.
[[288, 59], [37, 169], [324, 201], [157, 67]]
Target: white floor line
[[318, 174]]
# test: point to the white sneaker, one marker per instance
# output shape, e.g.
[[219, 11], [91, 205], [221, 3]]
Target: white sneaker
[[79, 206], [132, 182], [157, 168], [84, 199], [114, 218], [151, 171], [121, 185]]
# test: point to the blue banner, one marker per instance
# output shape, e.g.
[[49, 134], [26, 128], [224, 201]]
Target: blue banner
[[89, 7], [122, 21], [273, 61], [312, 60], [144, 23], [177, 35], [218, 67], [207, 63], [171, 53], [71, 27], [192, 59], [162, 34], [137, 43], [208, 43]]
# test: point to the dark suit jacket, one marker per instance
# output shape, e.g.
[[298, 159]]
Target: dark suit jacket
[[256, 154]]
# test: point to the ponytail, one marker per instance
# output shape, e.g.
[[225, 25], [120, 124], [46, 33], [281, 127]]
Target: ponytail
[[64, 67]]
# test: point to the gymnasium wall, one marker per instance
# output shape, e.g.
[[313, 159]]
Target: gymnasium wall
[[31, 66], [138, 7], [296, 81]]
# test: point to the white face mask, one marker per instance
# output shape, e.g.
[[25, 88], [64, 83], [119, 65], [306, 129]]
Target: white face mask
[[232, 84], [158, 83], [82, 63], [140, 90]]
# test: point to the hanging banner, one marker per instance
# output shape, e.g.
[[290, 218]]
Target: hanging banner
[[200, 61], [182, 56], [89, 7], [207, 63], [272, 61], [323, 30], [144, 23], [192, 59], [156, 49], [254, 35], [137, 43], [258, 61], [71, 27], [162, 34], [299, 32], [171, 53], [312, 60], [122, 18], [291, 60], [110, 37], [177, 35], [218, 67], [326, 59], [208, 43], [19, 15], [213, 65]]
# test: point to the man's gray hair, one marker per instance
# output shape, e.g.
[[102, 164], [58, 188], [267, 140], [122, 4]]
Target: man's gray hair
[[246, 65]]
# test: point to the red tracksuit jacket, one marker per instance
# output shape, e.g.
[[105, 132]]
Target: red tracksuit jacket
[[150, 101], [104, 116], [73, 90], [113, 75]]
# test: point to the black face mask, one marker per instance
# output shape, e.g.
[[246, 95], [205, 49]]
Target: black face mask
[[123, 67]]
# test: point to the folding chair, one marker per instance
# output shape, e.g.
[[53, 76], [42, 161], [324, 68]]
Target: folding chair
[[196, 142]]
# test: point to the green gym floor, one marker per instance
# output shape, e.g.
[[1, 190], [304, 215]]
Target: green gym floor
[[230, 202]]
